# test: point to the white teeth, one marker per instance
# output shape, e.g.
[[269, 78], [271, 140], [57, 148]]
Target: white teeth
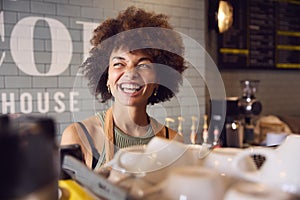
[[128, 86], [128, 90]]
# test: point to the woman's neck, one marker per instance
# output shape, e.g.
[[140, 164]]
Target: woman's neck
[[131, 120]]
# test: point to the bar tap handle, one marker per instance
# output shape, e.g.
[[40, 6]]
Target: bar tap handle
[[179, 129], [193, 135], [216, 136], [205, 130], [169, 120]]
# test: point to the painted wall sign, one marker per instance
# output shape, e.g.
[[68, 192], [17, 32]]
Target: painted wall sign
[[22, 52]]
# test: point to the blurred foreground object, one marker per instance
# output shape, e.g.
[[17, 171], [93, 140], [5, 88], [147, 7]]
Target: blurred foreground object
[[30, 167]]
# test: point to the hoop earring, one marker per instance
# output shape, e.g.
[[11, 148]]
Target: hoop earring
[[155, 92], [108, 89]]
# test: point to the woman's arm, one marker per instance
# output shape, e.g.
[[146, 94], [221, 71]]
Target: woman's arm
[[73, 134]]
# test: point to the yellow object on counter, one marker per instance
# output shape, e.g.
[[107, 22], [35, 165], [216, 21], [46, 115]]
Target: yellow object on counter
[[71, 190]]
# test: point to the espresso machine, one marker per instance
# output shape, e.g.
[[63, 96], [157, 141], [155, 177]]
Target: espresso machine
[[238, 128], [249, 107]]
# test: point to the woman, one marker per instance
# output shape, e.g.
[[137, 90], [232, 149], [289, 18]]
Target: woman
[[125, 66]]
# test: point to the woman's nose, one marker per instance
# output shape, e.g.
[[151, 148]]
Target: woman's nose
[[131, 72]]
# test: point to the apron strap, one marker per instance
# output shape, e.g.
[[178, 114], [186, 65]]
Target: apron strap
[[95, 152], [109, 135]]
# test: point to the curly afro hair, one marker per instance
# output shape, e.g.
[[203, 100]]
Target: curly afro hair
[[136, 30]]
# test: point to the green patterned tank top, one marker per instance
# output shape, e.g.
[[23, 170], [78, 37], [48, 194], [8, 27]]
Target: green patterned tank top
[[122, 140]]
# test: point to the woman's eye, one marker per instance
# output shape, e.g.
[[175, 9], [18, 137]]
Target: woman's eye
[[118, 65], [144, 66]]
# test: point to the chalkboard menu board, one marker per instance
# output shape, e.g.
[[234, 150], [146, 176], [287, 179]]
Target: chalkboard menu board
[[264, 35]]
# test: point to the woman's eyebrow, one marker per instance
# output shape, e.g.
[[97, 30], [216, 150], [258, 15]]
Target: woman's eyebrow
[[140, 59], [118, 58], [145, 59]]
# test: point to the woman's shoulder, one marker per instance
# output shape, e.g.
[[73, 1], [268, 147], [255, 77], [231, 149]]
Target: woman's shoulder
[[73, 131], [89, 122], [70, 134], [93, 125]]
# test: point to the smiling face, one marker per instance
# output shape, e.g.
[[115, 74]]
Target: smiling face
[[131, 77]]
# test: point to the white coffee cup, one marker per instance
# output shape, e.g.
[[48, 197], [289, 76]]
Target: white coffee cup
[[193, 183], [255, 191], [279, 170], [158, 154], [221, 159], [196, 153], [134, 160], [155, 159]]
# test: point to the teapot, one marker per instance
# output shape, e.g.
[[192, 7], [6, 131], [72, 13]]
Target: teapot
[[281, 169]]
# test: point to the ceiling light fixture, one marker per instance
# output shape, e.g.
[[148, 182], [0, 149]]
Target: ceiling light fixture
[[224, 16]]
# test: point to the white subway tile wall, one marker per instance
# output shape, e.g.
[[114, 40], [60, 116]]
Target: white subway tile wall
[[64, 95]]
